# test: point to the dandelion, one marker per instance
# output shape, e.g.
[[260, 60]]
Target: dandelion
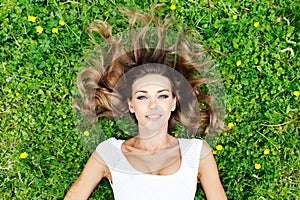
[[86, 133], [278, 19], [267, 151], [257, 166], [280, 128], [39, 29], [230, 125], [55, 30], [23, 155], [17, 94], [214, 152], [61, 22], [238, 63], [31, 18], [296, 93], [173, 7], [256, 24], [219, 147], [235, 17]]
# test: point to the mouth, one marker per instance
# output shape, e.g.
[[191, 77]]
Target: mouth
[[153, 117]]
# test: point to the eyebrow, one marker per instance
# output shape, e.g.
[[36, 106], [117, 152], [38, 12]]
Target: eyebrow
[[159, 91]]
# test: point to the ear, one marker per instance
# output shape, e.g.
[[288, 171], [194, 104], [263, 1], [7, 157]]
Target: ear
[[174, 104], [130, 106]]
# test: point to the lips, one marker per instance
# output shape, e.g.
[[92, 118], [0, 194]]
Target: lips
[[153, 116]]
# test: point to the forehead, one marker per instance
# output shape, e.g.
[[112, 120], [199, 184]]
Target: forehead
[[151, 80]]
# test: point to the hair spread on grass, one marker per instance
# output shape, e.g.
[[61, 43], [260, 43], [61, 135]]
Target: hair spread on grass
[[98, 83]]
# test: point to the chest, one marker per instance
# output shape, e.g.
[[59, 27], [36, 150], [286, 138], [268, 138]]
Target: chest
[[163, 162]]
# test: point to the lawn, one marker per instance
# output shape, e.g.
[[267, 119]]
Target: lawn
[[256, 49]]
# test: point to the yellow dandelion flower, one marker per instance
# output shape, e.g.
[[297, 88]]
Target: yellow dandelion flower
[[214, 152], [296, 93], [256, 24], [219, 147], [86, 133], [278, 19], [61, 22], [230, 125], [17, 94], [39, 29], [23, 155], [31, 18], [280, 128], [267, 151], [257, 166], [238, 63], [55, 30], [235, 17], [173, 7]]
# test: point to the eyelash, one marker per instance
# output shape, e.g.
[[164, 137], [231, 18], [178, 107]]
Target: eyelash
[[141, 97], [164, 96]]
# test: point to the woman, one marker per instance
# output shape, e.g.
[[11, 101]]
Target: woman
[[156, 90]]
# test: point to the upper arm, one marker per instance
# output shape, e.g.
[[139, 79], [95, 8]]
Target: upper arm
[[209, 178], [94, 170]]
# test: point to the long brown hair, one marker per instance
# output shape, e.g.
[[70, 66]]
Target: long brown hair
[[97, 83]]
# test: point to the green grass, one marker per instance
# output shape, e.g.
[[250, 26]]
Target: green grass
[[38, 73]]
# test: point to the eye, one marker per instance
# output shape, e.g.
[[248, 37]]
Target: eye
[[164, 96], [141, 97]]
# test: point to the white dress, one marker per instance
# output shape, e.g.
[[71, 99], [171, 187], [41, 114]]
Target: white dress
[[130, 184]]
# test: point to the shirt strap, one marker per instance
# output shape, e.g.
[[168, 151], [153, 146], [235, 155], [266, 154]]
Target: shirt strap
[[190, 152]]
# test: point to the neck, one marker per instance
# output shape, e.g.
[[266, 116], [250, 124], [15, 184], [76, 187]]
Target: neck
[[149, 140]]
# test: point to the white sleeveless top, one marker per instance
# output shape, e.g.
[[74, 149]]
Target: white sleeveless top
[[130, 184]]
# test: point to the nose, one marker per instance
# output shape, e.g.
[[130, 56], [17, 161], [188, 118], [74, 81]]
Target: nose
[[153, 104]]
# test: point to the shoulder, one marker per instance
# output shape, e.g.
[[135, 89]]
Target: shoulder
[[108, 147], [110, 151], [205, 150], [192, 144], [190, 141], [195, 146], [107, 143], [191, 147]]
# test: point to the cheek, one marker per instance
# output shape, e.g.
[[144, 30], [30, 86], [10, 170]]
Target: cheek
[[140, 107], [167, 106]]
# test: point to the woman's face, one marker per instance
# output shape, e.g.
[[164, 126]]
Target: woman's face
[[152, 101]]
